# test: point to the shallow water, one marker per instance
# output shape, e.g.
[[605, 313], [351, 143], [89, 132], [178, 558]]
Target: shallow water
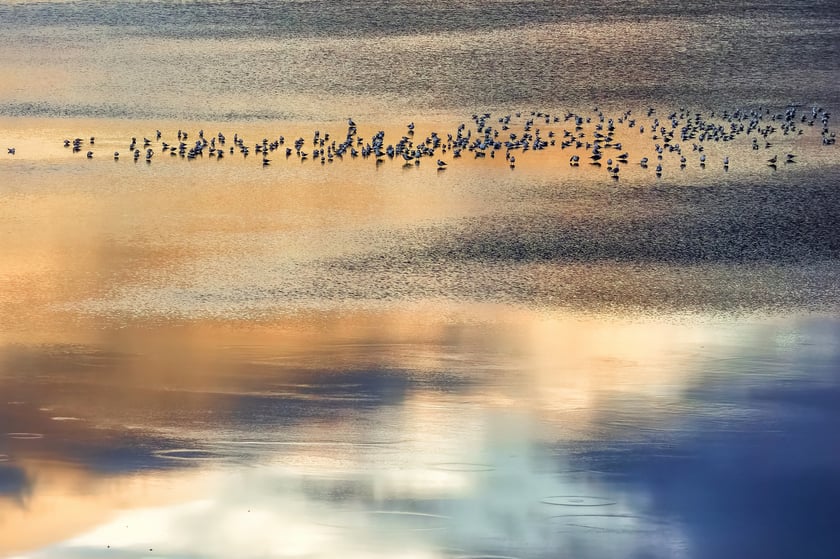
[[495, 432], [216, 358]]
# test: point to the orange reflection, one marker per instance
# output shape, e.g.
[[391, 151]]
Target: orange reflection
[[68, 501], [506, 363], [126, 290]]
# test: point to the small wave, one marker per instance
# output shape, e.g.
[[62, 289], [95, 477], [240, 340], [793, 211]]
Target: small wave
[[189, 454], [578, 501], [25, 436], [389, 519], [461, 467]]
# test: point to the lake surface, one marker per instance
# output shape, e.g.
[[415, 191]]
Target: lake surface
[[381, 356]]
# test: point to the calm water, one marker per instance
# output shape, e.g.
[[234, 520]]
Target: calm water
[[214, 358]]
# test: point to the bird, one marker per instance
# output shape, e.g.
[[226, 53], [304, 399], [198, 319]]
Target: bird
[[598, 134], [11, 151]]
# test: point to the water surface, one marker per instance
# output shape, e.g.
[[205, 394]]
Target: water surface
[[215, 358]]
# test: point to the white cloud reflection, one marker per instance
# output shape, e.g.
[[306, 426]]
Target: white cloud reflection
[[494, 499]]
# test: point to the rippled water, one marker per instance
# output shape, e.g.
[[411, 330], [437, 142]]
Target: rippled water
[[304, 60], [215, 358]]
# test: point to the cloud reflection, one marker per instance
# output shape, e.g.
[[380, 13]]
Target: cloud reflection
[[278, 511], [765, 485], [588, 437], [372, 434]]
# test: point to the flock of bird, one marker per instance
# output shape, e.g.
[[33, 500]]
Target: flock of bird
[[591, 138]]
